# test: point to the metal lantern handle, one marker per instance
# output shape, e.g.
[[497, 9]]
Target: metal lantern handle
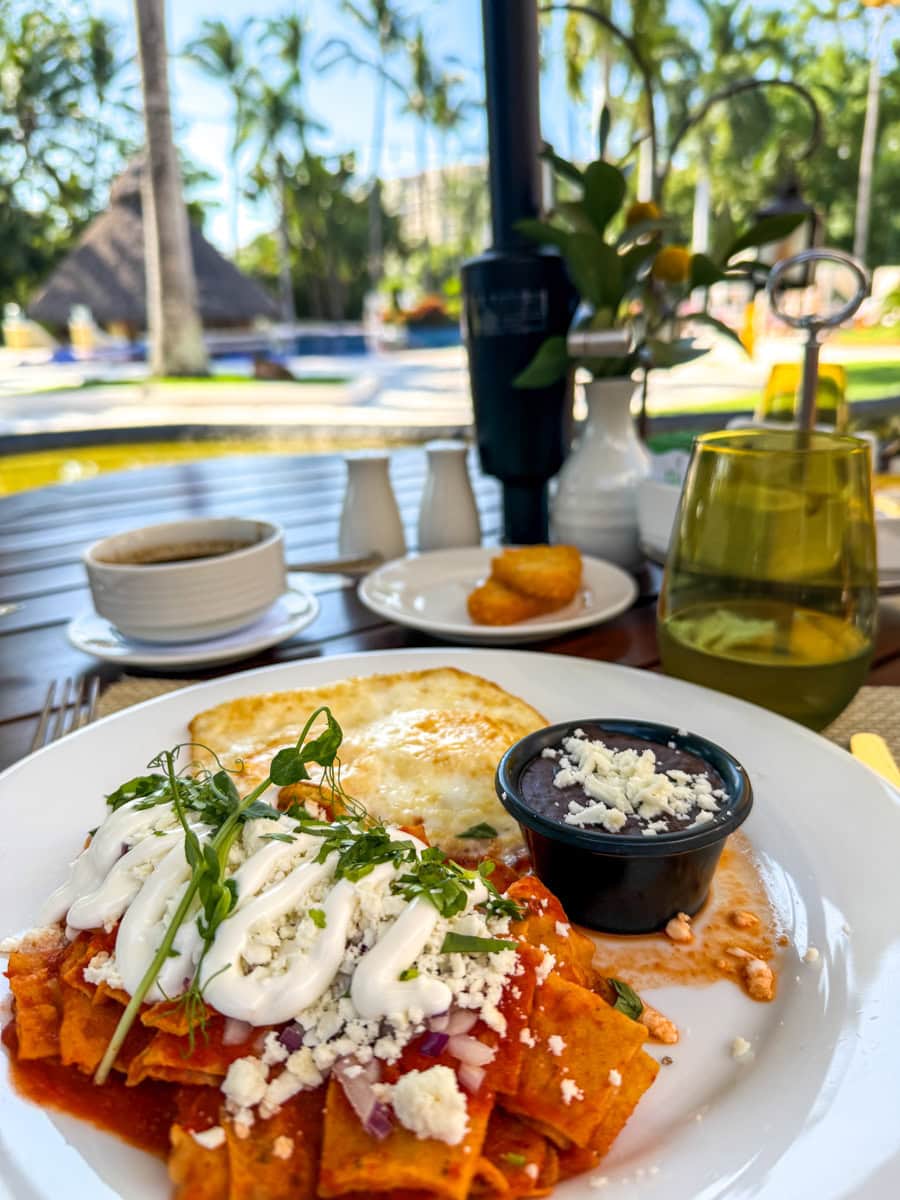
[[814, 323]]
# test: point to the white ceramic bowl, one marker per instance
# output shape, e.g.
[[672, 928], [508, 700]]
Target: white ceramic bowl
[[193, 599]]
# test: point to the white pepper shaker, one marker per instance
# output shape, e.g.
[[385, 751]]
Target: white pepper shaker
[[370, 520], [448, 515]]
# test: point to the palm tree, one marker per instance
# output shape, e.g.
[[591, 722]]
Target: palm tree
[[219, 53], [176, 335], [448, 112], [420, 102], [276, 121], [384, 26]]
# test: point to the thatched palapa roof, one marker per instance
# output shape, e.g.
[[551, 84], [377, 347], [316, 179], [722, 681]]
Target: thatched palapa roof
[[105, 272]]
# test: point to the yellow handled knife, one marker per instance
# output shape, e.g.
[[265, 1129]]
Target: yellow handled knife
[[873, 750]]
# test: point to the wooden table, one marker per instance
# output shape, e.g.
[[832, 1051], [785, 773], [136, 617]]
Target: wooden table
[[43, 585]]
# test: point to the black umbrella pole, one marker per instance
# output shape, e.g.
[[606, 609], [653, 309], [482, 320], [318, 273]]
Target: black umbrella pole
[[515, 296]]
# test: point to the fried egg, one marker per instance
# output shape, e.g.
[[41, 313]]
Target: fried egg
[[419, 746]]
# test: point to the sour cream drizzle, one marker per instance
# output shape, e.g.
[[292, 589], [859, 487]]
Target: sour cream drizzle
[[109, 881]]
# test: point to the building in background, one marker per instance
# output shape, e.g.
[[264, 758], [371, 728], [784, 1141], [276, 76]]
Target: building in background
[[437, 206]]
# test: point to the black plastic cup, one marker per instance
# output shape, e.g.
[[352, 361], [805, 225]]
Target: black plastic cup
[[623, 883]]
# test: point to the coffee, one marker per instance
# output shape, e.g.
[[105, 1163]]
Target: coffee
[[163, 554]]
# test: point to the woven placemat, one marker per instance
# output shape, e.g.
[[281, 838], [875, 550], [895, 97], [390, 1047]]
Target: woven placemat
[[130, 690], [873, 710]]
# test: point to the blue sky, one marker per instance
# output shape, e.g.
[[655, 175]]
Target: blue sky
[[341, 99]]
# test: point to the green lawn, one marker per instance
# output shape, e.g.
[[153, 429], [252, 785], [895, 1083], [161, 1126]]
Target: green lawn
[[213, 380], [876, 335], [865, 381]]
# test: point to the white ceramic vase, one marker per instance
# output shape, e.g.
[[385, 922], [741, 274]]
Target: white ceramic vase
[[370, 520], [595, 504], [448, 515]]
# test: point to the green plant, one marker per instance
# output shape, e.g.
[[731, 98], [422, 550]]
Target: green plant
[[631, 274]]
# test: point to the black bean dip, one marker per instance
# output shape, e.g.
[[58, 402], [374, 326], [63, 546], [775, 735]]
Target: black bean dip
[[607, 781]]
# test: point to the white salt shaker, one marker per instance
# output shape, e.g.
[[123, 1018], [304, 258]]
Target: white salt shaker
[[448, 515], [370, 520]]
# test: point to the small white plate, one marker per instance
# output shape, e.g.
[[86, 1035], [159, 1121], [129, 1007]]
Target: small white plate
[[429, 591], [294, 611]]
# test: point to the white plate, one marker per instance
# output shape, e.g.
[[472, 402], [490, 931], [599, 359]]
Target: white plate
[[428, 592], [294, 611], [813, 1115]]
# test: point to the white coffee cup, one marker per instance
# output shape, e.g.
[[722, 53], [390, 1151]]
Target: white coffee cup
[[211, 576]]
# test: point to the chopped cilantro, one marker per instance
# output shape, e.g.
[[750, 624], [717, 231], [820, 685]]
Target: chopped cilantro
[[481, 830], [627, 999], [465, 943]]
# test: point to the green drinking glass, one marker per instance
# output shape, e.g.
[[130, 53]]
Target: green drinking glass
[[771, 588]]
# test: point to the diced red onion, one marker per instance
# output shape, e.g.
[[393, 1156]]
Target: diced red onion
[[379, 1124], [434, 1044], [359, 1087], [470, 1077], [291, 1037], [439, 1022], [235, 1032], [461, 1020], [469, 1050]]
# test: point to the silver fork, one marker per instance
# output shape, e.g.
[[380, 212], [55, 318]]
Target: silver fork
[[75, 709]]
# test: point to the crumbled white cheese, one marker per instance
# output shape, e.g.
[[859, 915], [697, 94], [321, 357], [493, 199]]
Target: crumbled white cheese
[[278, 1091], [274, 1051], [545, 966], [209, 1139], [531, 1170], [615, 1078], [41, 938], [556, 1044], [526, 1037], [431, 1105], [283, 1147], [102, 969], [570, 1091], [619, 784], [811, 955], [245, 1082], [562, 929], [740, 1047], [302, 1066]]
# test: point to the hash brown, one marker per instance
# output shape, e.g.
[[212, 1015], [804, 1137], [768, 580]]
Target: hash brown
[[549, 573]]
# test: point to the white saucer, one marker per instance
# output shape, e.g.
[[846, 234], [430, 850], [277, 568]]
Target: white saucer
[[294, 611], [428, 592]]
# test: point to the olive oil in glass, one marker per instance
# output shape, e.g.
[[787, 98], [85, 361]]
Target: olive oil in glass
[[770, 590]]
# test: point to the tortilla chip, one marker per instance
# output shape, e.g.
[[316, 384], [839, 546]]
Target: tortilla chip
[[197, 1173], [575, 1160], [504, 1073], [87, 1029], [641, 1072], [33, 974], [355, 1162], [172, 1057], [571, 1091], [512, 1159], [168, 1016], [88, 943], [547, 926], [279, 1159]]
